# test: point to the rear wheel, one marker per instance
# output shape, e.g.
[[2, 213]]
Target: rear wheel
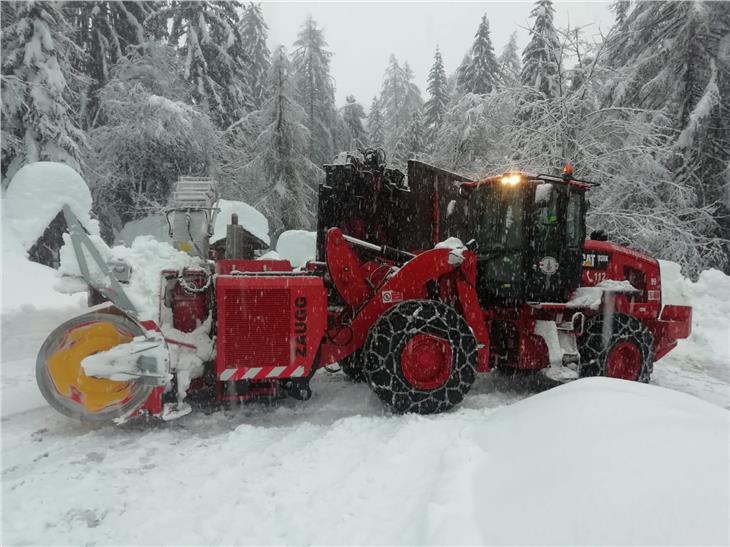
[[616, 346], [420, 357]]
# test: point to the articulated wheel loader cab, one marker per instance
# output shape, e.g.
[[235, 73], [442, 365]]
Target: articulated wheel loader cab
[[529, 233]]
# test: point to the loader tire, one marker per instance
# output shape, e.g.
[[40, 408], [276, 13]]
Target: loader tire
[[616, 346], [351, 366], [420, 357]]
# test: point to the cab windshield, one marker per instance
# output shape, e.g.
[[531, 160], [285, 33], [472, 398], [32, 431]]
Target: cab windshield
[[501, 218]]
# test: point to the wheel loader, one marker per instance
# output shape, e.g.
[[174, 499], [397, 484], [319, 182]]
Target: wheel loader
[[419, 283]]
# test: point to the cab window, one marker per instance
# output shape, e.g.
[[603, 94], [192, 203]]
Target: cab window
[[574, 219]]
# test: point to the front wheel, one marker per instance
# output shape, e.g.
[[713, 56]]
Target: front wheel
[[616, 346], [420, 357]]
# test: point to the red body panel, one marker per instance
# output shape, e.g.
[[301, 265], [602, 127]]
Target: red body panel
[[268, 327], [605, 260]]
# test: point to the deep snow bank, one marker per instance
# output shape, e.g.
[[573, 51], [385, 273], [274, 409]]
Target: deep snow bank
[[602, 461], [297, 246], [709, 344]]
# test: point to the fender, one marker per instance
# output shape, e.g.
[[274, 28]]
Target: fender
[[409, 283]]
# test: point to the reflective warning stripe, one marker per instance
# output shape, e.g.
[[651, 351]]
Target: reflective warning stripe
[[261, 373]]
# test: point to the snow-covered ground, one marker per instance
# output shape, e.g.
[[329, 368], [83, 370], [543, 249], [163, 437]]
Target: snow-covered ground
[[522, 461], [592, 462]]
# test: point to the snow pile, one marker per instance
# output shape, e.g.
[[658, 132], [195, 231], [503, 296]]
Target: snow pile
[[708, 347], [147, 258], [621, 459], [591, 297], [27, 284], [37, 194], [248, 217], [297, 246]]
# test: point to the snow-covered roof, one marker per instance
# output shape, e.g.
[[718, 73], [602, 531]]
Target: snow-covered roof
[[37, 193], [248, 217]]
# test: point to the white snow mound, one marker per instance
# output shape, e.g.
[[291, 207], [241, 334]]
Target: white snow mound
[[248, 217], [37, 194], [297, 246], [147, 257], [27, 284]]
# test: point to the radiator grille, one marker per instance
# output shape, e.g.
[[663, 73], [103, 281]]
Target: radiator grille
[[256, 327]]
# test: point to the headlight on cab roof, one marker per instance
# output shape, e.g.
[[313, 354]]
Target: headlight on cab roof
[[512, 179]]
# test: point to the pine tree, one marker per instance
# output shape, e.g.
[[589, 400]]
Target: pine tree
[[411, 141], [481, 75], [281, 178], [353, 114], [621, 9], [399, 98], [461, 73], [413, 100], [541, 57], [376, 130], [103, 30], [435, 107], [258, 58], [37, 124], [208, 32], [315, 91], [509, 62]]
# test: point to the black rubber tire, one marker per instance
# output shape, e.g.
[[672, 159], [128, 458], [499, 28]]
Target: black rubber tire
[[385, 344], [351, 366], [594, 348]]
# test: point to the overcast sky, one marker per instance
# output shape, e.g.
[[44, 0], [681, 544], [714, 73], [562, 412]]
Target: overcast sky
[[363, 35]]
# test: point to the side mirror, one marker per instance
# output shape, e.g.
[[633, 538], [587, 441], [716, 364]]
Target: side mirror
[[599, 235]]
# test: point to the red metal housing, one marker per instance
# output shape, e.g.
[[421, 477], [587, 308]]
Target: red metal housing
[[268, 326]]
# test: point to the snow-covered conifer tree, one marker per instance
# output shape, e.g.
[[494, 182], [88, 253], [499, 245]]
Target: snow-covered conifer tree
[[353, 114], [435, 107], [399, 98], [209, 39], [673, 57], [103, 31], [37, 124], [460, 75], [258, 57], [392, 101], [541, 58], [315, 90], [481, 75], [621, 9], [280, 180], [509, 62], [411, 141], [376, 130]]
